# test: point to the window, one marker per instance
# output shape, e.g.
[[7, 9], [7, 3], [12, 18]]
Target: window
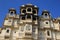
[[7, 31], [45, 14], [48, 39], [34, 29], [34, 11], [59, 22], [11, 12], [48, 33], [23, 17], [23, 11], [15, 31], [0, 32], [46, 22], [28, 16], [6, 37], [34, 18], [9, 20], [29, 9], [27, 34]]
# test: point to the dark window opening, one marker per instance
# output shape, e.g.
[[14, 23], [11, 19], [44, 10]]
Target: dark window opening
[[9, 20], [46, 22], [34, 29], [15, 31], [6, 37], [34, 18], [29, 9], [23, 17], [23, 11], [48, 33], [7, 31], [28, 16], [59, 22], [27, 34], [48, 39], [34, 11], [0, 32], [45, 14], [11, 12]]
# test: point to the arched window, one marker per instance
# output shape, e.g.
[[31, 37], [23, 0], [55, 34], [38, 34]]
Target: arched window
[[46, 22], [0, 32], [45, 14], [23, 11], [11, 12], [48, 33], [23, 17], [34, 11], [29, 9], [28, 16], [7, 31]]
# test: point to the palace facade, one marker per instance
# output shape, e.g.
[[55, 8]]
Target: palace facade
[[28, 25]]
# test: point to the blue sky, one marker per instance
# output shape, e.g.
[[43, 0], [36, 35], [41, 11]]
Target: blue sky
[[52, 5]]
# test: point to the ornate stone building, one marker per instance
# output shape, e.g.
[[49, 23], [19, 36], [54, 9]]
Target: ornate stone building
[[29, 26]]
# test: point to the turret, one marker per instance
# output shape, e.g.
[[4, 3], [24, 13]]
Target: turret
[[45, 14], [12, 11]]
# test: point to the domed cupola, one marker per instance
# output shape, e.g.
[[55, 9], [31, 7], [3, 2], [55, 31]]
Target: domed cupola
[[45, 14], [12, 11]]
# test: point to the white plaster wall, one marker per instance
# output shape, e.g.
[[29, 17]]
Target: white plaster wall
[[41, 24], [57, 35], [56, 25], [24, 39], [15, 35], [2, 34], [21, 35], [22, 21], [51, 24], [17, 16], [36, 22], [53, 35], [7, 23], [15, 23], [28, 20]]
